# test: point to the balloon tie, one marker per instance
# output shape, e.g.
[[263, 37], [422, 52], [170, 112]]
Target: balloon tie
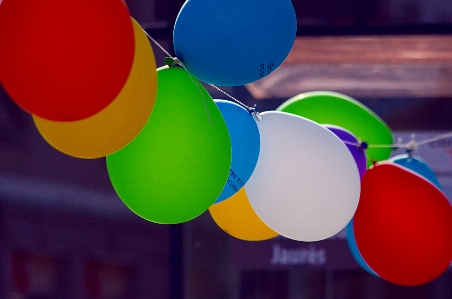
[[411, 147], [256, 115], [363, 145], [174, 61], [252, 110]]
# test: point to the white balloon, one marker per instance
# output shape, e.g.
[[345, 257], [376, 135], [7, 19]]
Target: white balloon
[[306, 184]]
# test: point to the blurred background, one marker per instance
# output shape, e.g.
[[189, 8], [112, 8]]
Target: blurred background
[[65, 234]]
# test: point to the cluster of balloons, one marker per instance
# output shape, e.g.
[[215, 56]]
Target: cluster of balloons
[[173, 152], [89, 87], [402, 228]]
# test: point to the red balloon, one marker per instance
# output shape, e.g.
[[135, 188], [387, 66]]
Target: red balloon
[[64, 60], [403, 225]]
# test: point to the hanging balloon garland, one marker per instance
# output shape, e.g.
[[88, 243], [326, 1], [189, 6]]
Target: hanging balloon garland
[[318, 164]]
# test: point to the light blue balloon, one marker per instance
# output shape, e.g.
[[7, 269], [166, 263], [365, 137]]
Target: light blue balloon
[[349, 232], [234, 42], [418, 166], [245, 143]]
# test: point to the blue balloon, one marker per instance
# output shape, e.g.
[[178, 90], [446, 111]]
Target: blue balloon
[[234, 42], [349, 232], [418, 166], [245, 143]]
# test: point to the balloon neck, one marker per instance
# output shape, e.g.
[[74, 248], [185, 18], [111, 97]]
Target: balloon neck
[[363, 145], [411, 147], [172, 61], [255, 113], [409, 152]]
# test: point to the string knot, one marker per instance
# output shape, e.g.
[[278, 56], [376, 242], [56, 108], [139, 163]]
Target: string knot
[[363, 145], [411, 146], [173, 61], [255, 113]]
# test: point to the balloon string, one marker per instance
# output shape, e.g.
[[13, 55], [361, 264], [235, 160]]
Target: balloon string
[[175, 61], [200, 91], [436, 138], [157, 44], [412, 145], [252, 110]]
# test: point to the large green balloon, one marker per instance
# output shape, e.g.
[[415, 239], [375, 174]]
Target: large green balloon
[[177, 166], [333, 108]]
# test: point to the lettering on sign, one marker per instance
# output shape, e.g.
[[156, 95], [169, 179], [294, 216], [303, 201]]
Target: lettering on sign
[[298, 256]]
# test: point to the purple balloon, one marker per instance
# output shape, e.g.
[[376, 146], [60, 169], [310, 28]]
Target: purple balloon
[[357, 152]]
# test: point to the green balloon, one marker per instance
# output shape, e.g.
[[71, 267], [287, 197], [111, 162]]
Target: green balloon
[[177, 166], [325, 107]]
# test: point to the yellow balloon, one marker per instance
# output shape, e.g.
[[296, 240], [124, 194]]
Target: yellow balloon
[[119, 123], [237, 218]]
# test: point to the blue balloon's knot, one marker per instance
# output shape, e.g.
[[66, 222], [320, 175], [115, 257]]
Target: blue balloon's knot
[[411, 147], [253, 109], [409, 152], [256, 115]]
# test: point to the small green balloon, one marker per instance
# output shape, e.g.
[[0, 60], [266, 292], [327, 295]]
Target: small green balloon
[[177, 166], [326, 107]]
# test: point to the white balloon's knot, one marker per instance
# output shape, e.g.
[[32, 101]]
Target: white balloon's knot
[[256, 115]]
